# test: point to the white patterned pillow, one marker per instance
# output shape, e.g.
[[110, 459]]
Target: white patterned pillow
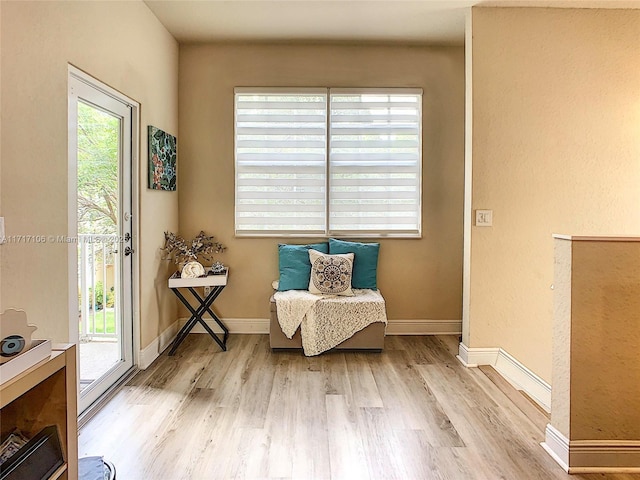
[[331, 274]]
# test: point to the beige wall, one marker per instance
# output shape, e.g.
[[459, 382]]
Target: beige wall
[[556, 143], [605, 324], [123, 45], [596, 379], [420, 279]]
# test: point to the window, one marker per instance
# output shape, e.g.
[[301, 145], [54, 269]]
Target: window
[[328, 162]]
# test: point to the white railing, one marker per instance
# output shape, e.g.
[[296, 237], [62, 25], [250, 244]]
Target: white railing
[[98, 289]]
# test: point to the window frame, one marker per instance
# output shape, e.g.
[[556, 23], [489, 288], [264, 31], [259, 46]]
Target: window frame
[[328, 232]]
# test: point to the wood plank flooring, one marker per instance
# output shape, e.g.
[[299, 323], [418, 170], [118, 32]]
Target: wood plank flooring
[[410, 412]]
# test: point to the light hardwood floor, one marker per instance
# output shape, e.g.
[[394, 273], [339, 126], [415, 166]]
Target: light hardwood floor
[[410, 412]]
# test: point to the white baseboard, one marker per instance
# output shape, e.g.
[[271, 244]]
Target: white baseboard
[[556, 445], [424, 327], [606, 456], [510, 368], [235, 325], [592, 456], [157, 346], [472, 357], [524, 379], [394, 327]]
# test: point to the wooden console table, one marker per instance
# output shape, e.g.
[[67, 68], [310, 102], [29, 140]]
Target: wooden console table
[[45, 394], [217, 284]]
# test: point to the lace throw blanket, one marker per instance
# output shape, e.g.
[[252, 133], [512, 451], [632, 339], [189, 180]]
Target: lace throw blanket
[[325, 321]]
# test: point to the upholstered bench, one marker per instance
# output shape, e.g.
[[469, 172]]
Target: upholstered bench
[[369, 338], [327, 298]]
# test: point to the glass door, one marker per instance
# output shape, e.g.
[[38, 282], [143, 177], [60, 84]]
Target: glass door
[[100, 129]]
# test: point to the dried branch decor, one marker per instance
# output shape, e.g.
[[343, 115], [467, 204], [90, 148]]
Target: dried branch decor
[[181, 251]]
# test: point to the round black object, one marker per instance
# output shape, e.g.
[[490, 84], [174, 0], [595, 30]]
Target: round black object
[[12, 345], [110, 467]]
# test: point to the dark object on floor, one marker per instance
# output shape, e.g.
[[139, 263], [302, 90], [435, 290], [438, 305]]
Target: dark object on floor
[[96, 468]]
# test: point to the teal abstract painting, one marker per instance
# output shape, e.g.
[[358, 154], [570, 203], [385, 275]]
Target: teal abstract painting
[[163, 152]]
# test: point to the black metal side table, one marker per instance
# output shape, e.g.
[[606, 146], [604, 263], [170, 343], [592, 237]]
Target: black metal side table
[[217, 284]]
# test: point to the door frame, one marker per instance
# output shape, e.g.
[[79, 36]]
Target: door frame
[[72, 224]]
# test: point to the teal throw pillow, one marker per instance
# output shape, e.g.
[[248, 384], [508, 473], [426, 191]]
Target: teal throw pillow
[[365, 262], [295, 266]]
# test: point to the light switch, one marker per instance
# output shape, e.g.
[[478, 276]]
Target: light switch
[[484, 218]]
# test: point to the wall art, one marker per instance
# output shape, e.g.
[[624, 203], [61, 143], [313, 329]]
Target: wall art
[[163, 152]]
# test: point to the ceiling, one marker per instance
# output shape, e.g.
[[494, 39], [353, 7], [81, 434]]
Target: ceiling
[[407, 21]]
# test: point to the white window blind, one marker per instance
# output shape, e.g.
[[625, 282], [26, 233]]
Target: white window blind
[[375, 161], [367, 183], [281, 152]]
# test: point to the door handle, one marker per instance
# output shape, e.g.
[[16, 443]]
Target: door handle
[[128, 251]]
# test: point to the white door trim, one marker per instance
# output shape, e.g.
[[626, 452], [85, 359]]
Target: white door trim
[[77, 77]]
